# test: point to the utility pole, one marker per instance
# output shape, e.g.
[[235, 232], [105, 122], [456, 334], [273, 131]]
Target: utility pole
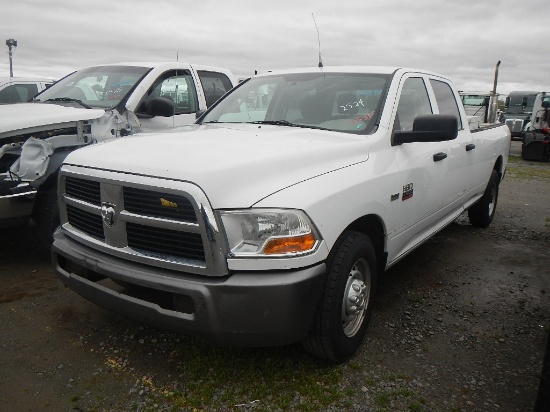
[[11, 43]]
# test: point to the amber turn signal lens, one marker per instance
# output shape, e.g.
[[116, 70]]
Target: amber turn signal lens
[[295, 244]]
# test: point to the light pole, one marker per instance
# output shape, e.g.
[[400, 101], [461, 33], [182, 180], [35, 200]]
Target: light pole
[[11, 43]]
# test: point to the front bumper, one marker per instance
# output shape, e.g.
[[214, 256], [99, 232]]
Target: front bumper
[[244, 309]]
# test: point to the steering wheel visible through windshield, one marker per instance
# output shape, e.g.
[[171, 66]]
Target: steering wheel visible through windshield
[[102, 86], [344, 102]]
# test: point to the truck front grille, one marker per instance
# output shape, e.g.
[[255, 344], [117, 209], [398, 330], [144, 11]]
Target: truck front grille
[[515, 125], [144, 222], [86, 222], [152, 203], [165, 241], [86, 190]]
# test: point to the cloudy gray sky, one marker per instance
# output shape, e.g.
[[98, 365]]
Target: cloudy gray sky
[[462, 39]]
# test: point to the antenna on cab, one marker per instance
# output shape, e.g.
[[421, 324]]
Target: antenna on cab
[[319, 40]]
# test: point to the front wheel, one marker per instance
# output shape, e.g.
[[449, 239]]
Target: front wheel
[[345, 308], [481, 213]]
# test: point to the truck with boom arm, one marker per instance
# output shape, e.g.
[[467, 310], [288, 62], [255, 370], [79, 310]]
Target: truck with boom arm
[[536, 143]]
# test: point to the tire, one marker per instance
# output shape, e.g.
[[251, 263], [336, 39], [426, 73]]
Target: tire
[[46, 213], [482, 212], [345, 308]]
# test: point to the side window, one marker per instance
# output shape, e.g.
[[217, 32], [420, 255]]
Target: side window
[[9, 95], [214, 84], [27, 91], [446, 100], [17, 93], [176, 86], [413, 102]]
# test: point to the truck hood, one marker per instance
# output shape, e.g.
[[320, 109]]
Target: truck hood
[[27, 115], [235, 165]]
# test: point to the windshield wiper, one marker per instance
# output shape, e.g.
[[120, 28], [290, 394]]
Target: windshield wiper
[[68, 99], [276, 123], [287, 123]]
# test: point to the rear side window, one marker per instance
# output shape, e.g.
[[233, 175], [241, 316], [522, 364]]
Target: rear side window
[[446, 100], [214, 84]]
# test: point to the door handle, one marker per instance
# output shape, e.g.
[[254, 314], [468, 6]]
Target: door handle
[[439, 156], [470, 146]]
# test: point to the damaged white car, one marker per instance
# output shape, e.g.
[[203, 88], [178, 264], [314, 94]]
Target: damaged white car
[[90, 106]]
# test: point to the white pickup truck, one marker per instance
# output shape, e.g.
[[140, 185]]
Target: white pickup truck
[[89, 106], [270, 220]]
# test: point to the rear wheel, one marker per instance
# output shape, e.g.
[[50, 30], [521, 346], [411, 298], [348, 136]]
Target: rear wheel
[[481, 214], [345, 308]]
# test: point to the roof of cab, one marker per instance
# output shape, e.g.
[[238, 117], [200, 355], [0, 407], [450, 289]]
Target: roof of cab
[[351, 69], [5, 80]]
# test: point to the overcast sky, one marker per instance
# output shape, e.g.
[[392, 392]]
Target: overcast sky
[[462, 39]]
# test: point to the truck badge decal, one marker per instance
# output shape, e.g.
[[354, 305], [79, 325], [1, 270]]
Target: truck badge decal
[[407, 191], [108, 213], [394, 197], [167, 203]]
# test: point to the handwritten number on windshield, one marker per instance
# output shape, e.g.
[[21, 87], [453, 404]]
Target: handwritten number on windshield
[[352, 105]]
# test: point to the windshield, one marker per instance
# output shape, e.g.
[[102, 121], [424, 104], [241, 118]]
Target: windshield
[[345, 102], [103, 86], [474, 99], [519, 103]]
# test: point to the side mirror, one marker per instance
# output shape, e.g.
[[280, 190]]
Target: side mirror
[[160, 106], [545, 104], [429, 128]]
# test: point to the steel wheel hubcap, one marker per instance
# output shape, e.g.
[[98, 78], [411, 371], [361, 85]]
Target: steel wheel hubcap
[[492, 200], [356, 298]]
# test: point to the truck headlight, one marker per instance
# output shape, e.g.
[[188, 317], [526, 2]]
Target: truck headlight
[[269, 232]]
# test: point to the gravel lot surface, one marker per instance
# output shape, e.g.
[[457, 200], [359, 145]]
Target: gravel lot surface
[[459, 325]]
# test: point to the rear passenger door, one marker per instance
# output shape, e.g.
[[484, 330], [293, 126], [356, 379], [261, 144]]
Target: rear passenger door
[[461, 152]]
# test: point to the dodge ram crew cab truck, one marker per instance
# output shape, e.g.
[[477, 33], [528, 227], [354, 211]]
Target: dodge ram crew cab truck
[[89, 106], [271, 219]]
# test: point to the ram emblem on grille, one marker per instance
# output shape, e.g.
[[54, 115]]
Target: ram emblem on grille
[[167, 203], [108, 213]]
